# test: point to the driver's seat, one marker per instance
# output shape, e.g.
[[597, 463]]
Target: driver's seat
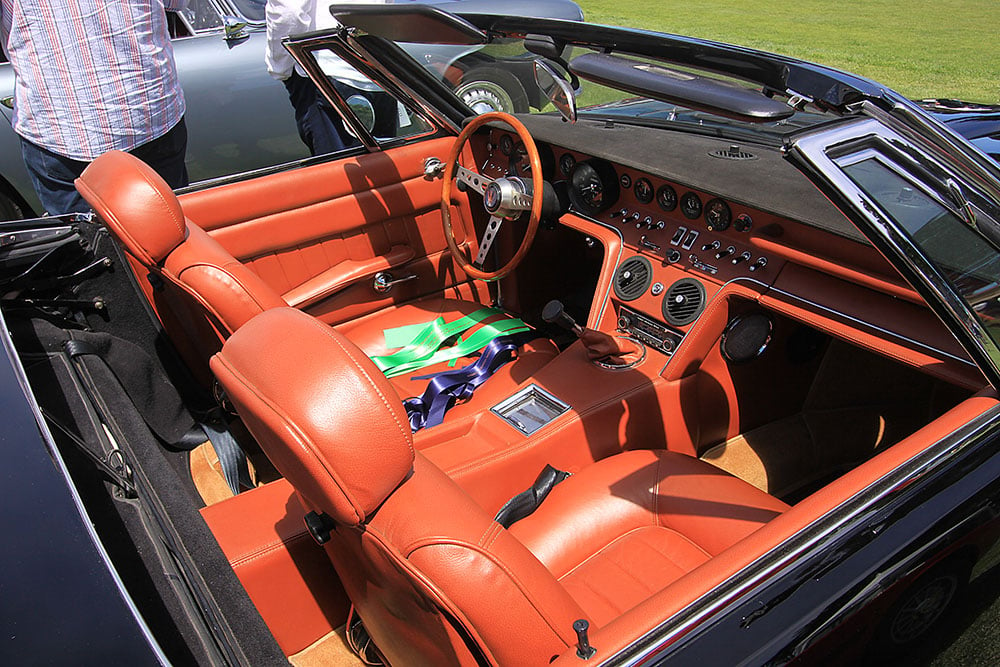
[[203, 294]]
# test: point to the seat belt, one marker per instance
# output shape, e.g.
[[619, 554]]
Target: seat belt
[[449, 387], [529, 500]]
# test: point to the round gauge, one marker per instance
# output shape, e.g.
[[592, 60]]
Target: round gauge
[[666, 197], [506, 144], [626, 181], [643, 190], [691, 206], [593, 186], [717, 215], [566, 163], [743, 223]]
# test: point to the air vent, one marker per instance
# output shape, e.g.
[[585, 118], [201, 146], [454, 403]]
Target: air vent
[[632, 278], [684, 302], [734, 152]]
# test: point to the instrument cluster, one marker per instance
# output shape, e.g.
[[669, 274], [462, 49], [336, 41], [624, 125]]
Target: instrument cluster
[[679, 225]]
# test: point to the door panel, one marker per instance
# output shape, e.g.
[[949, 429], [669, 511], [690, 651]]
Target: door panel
[[318, 234]]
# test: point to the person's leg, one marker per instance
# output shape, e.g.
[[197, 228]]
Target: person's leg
[[318, 129], [166, 155], [52, 176]]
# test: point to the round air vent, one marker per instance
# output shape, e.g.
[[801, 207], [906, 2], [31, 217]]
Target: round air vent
[[683, 302], [633, 278], [734, 152]]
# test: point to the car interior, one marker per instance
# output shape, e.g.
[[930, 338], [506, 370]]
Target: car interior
[[706, 357]]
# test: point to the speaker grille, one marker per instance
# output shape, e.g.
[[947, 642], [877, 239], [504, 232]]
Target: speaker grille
[[633, 278], [683, 302]]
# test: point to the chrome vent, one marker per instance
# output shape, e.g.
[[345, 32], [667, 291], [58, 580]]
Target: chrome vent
[[734, 152], [632, 278], [683, 302]]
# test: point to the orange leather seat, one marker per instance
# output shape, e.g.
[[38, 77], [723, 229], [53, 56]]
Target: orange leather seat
[[207, 294], [434, 578]]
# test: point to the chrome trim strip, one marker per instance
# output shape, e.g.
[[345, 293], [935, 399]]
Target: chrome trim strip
[[737, 589], [60, 464]]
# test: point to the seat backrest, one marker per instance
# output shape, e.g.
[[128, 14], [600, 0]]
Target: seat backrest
[[434, 578], [207, 293]]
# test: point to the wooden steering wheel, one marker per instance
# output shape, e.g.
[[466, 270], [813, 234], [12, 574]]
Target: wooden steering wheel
[[504, 198]]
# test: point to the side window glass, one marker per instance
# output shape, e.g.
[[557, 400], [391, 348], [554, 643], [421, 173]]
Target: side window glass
[[377, 111], [201, 15]]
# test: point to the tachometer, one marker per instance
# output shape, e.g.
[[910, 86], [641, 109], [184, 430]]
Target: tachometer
[[593, 186]]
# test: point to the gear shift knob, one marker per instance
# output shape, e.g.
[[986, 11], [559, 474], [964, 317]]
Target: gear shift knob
[[554, 313]]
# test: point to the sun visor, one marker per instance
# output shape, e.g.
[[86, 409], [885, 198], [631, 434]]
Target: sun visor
[[679, 87], [415, 24]]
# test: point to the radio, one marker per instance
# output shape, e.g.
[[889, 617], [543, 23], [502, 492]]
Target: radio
[[649, 331]]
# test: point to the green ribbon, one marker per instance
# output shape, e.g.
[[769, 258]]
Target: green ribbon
[[476, 341], [425, 340]]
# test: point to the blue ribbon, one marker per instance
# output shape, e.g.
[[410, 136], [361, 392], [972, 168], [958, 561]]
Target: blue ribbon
[[450, 387]]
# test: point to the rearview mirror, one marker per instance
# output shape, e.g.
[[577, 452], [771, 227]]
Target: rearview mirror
[[363, 109], [556, 89]]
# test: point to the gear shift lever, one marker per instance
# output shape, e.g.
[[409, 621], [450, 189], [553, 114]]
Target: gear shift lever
[[600, 346], [555, 313]]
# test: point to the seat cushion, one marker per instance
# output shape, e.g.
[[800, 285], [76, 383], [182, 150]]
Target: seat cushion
[[628, 526]]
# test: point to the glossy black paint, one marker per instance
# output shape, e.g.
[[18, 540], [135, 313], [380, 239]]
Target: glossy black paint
[[57, 597]]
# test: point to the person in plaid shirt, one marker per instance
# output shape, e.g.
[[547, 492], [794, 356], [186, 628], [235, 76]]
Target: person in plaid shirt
[[93, 76]]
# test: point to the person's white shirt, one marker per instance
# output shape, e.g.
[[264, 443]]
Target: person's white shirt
[[294, 17]]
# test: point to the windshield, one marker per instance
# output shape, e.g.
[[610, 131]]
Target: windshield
[[251, 10]]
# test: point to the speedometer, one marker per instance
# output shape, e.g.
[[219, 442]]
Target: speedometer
[[593, 186]]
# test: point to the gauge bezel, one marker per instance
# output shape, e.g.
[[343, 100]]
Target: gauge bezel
[[714, 205], [674, 199], [689, 214], [649, 190], [566, 163]]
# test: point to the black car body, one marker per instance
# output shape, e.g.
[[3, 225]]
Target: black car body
[[857, 233]]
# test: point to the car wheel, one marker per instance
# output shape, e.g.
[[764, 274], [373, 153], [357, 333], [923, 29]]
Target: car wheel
[[486, 89], [922, 605], [9, 209]]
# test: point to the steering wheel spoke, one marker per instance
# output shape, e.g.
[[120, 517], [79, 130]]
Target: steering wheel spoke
[[476, 182], [492, 229]]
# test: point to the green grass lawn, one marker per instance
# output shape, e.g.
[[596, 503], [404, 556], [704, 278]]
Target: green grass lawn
[[921, 48]]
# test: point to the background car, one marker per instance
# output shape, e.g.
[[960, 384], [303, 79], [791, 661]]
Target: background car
[[772, 373], [239, 119]]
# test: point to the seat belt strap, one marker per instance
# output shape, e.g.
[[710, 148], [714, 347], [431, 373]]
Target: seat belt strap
[[449, 387], [232, 460], [529, 500], [428, 339]]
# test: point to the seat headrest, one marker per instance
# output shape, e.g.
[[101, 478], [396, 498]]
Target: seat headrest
[[135, 203], [319, 408]]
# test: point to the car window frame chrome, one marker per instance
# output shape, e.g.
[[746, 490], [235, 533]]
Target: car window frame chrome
[[811, 152], [343, 44]]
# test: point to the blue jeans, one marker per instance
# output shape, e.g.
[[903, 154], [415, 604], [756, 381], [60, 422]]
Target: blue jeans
[[320, 127], [52, 175]]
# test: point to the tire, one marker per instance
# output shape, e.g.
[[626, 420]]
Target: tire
[[486, 89]]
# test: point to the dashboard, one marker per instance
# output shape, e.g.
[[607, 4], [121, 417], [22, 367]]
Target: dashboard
[[697, 214]]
